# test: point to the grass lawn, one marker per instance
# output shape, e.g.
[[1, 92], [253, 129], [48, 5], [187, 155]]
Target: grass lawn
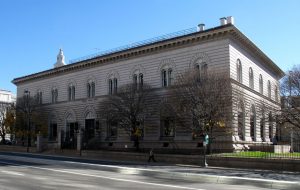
[[258, 154]]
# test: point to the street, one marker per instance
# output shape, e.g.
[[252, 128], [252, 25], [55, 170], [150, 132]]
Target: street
[[29, 172]]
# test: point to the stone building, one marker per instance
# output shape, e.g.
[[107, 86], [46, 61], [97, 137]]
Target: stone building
[[7, 98], [73, 92]]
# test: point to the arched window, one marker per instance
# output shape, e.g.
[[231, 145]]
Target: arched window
[[261, 84], [252, 122], [201, 67], [138, 80], [239, 71], [241, 121], [90, 89], [269, 89], [112, 86], [251, 78]]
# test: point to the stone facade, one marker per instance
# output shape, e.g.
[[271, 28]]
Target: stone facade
[[223, 48]]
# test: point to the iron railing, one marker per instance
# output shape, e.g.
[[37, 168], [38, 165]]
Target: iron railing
[[137, 44]]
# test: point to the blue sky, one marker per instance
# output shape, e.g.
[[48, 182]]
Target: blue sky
[[32, 31]]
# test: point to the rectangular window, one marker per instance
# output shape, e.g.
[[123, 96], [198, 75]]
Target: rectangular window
[[112, 129], [110, 86], [141, 78], [53, 132], [70, 93], [170, 77], [167, 127], [88, 90], [164, 78], [73, 93], [115, 85], [93, 89]]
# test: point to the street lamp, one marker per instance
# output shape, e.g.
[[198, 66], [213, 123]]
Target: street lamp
[[27, 109]]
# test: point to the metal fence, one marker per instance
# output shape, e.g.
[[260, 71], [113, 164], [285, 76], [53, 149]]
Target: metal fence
[[257, 150], [137, 44]]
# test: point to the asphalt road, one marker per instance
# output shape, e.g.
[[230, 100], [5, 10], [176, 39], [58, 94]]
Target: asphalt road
[[31, 172]]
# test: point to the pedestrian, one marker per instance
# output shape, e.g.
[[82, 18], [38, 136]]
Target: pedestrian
[[151, 156]]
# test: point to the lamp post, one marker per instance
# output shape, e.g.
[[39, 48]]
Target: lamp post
[[27, 109]]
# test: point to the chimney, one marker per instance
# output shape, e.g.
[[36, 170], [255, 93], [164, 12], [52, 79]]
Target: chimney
[[223, 21], [230, 20], [201, 27]]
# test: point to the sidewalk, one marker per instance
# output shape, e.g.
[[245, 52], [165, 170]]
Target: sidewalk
[[259, 178]]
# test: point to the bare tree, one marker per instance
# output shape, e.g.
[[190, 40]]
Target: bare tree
[[30, 119], [128, 109], [290, 92], [205, 97], [6, 119]]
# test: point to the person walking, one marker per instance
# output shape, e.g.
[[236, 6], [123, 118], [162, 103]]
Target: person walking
[[151, 156]]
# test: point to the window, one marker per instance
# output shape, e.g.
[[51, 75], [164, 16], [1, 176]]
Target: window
[[167, 77], [141, 79], [201, 67], [135, 80], [251, 78], [276, 94], [54, 95], [110, 86], [53, 131], [269, 89], [71, 92], [170, 77], [261, 84], [239, 71], [112, 129], [39, 97], [167, 127], [115, 85], [138, 80], [164, 78], [91, 89]]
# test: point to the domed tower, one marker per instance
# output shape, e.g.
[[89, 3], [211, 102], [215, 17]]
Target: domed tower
[[60, 59]]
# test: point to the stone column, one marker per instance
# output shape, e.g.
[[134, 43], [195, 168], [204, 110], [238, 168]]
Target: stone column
[[257, 130], [247, 127]]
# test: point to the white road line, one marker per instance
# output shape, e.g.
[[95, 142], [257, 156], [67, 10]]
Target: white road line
[[104, 177], [205, 175], [12, 173]]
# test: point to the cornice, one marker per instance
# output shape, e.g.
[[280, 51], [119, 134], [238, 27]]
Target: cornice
[[156, 47]]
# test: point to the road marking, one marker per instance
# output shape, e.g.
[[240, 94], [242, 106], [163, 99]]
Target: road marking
[[12, 173], [104, 177], [204, 175]]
